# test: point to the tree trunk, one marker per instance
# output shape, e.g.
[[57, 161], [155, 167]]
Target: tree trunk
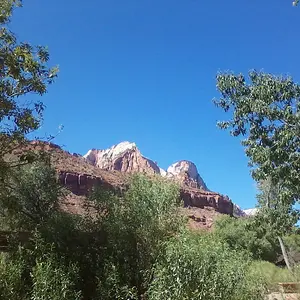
[[284, 254]]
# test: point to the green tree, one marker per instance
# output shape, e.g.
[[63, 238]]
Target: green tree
[[30, 196], [278, 216], [23, 72], [266, 113]]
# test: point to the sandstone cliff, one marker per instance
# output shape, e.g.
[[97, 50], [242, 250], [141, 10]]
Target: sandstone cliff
[[105, 168], [186, 172], [126, 157]]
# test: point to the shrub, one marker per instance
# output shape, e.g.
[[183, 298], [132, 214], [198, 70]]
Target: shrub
[[37, 272], [53, 280], [245, 234], [12, 283], [200, 266], [136, 227], [31, 196]]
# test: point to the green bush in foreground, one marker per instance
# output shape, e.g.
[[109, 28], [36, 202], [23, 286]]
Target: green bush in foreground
[[54, 281], [137, 227], [200, 266], [12, 283], [245, 234], [133, 247]]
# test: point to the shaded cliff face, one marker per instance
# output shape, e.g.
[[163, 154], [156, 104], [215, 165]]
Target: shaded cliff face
[[82, 184]]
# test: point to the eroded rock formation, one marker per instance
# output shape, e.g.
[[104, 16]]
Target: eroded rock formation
[[186, 173], [108, 168], [124, 157]]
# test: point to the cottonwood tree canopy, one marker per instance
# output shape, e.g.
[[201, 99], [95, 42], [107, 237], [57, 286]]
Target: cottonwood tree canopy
[[265, 111], [23, 71]]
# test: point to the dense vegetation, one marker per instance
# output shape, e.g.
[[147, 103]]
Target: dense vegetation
[[130, 247], [136, 245]]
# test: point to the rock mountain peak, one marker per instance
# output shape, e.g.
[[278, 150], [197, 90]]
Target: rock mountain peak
[[126, 157]]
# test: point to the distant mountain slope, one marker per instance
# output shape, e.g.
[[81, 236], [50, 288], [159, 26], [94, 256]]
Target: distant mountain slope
[[111, 169]]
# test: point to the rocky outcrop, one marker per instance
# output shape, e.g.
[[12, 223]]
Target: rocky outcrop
[[82, 184], [237, 211], [41, 145], [124, 157], [197, 198], [186, 173]]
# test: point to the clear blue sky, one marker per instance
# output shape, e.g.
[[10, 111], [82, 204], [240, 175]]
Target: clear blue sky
[[144, 71]]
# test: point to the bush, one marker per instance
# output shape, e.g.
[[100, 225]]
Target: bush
[[136, 227], [38, 273], [111, 249], [200, 266], [31, 196], [12, 283], [53, 280], [245, 234]]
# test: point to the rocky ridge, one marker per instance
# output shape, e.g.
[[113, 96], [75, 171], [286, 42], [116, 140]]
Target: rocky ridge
[[111, 169], [126, 157]]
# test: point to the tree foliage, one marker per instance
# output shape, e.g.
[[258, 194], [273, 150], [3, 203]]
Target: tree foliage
[[30, 196], [137, 226], [24, 72], [266, 112], [278, 215]]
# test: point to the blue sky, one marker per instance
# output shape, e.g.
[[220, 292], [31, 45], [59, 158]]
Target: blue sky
[[144, 71]]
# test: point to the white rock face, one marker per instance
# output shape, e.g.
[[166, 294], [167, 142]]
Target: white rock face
[[251, 211], [90, 156], [102, 157], [184, 166], [126, 157], [163, 172], [187, 171], [237, 211]]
